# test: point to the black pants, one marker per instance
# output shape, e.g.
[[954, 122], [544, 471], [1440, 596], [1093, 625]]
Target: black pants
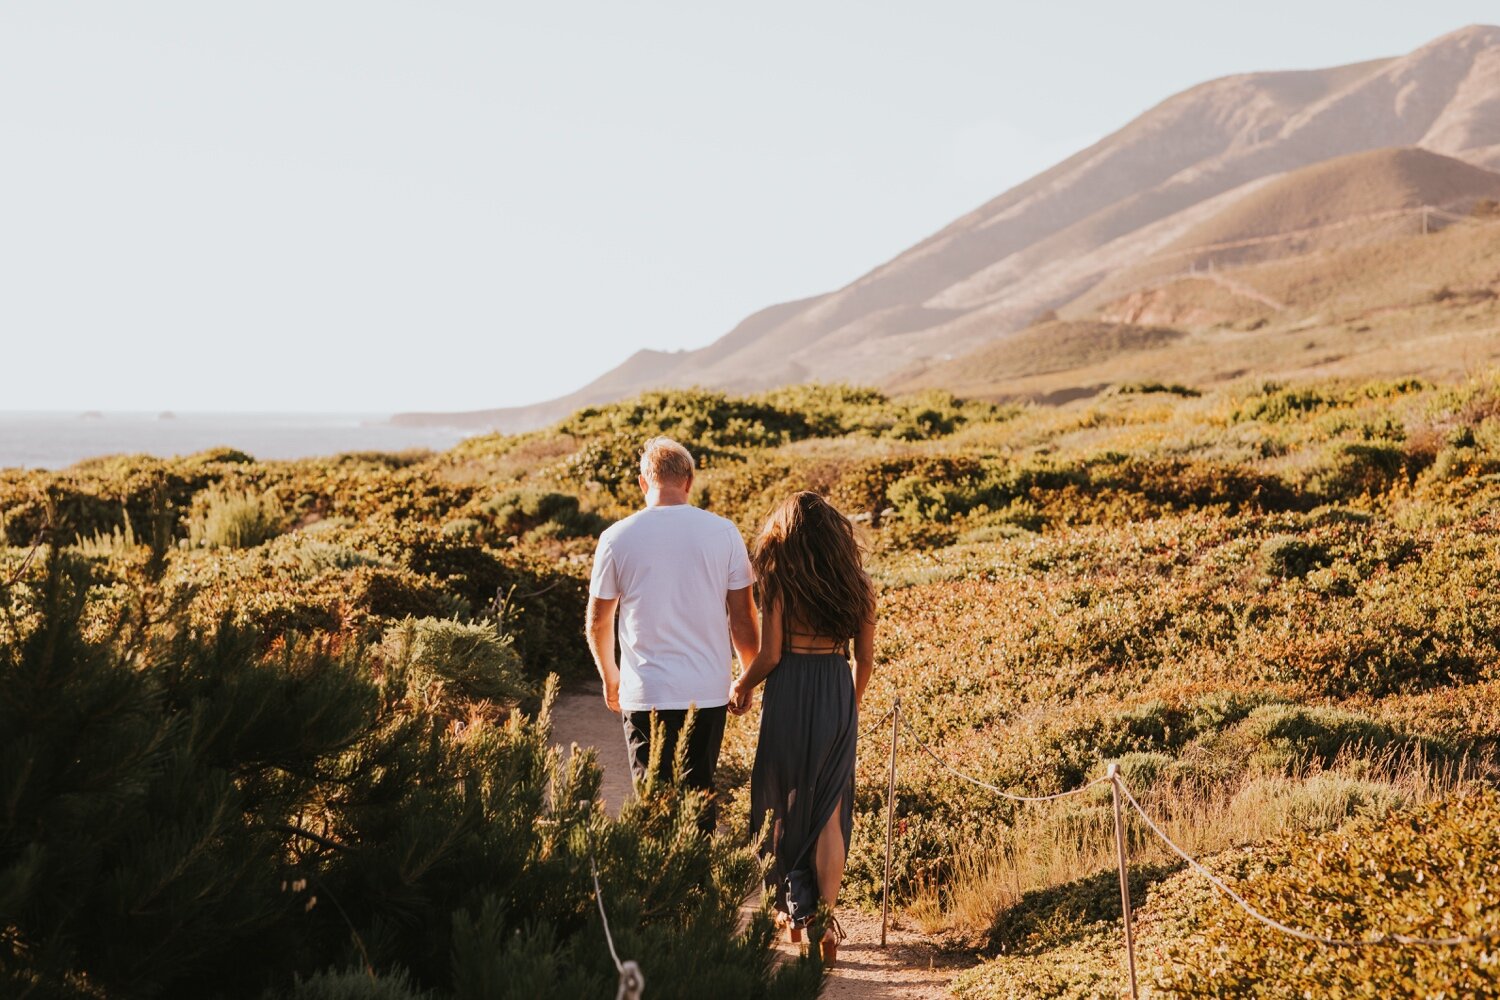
[[702, 749]]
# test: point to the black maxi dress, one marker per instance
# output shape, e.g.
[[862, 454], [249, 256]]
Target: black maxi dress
[[804, 762]]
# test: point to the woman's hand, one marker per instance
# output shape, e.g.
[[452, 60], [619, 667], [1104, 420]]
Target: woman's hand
[[740, 696]]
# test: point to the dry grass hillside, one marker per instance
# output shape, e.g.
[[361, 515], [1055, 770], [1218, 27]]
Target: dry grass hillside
[[1047, 348], [1345, 189], [1419, 305], [1366, 197]]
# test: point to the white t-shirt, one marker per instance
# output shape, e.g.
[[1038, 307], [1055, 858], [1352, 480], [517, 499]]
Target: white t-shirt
[[672, 567]]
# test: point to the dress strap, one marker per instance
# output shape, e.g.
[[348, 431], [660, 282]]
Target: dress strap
[[786, 637]]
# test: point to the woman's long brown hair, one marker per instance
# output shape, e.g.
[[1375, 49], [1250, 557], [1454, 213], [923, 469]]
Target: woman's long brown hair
[[807, 559]]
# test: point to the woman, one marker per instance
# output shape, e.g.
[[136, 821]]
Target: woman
[[815, 600]]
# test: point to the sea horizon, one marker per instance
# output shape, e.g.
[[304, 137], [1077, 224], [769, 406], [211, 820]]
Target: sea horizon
[[58, 438]]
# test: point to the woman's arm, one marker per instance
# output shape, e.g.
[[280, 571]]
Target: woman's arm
[[765, 660], [864, 659]]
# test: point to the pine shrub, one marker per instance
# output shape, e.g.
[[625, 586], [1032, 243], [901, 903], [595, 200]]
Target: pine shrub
[[191, 812]]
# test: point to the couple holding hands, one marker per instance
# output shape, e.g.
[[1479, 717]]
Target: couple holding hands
[[681, 586]]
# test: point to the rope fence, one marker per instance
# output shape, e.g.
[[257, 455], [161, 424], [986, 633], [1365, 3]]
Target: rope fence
[[1121, 796], [876, 724], [631, 982]]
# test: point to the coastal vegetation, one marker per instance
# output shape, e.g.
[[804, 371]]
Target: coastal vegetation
[[294, 714]]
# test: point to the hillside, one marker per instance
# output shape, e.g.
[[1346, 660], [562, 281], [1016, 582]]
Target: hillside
[[1344, 189], [1046, 348], [1366, 197], [1417, 305], [1042, 244]]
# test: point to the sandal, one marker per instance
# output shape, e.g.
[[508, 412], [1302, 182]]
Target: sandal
[[827, 934], [793, 931]]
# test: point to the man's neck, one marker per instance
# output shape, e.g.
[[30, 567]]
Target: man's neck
[[666, 498]]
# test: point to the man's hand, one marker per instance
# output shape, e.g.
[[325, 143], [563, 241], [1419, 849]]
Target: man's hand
[[612, 693]]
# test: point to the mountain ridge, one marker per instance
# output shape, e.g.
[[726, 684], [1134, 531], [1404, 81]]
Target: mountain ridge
[[1051, 239]]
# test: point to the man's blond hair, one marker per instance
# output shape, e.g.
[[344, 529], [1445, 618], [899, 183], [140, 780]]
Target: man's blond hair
[[665, 461]]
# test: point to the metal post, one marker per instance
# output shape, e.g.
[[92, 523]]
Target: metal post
[[890, 820], [1114, 786]]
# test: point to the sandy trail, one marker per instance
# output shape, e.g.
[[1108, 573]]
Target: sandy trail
[[582, 717], [910, 967]]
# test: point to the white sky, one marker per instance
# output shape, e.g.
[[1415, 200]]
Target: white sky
[[375, 205]]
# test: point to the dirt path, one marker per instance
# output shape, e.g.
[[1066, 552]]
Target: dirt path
[[909, 968], [583, 718], [1240, 288]]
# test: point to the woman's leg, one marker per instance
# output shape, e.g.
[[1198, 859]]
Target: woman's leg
[[829, 858]]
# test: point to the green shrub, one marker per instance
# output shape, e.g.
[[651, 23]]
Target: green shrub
[[233, 519], [813, 409], [1050, 918], [1287, 556], [1275, 404], [692, 416], [1359, 468], [1464, 462], [1072, 971], [352, 984], [1333, 514], [1142, 769], [1304, 732], [611, 462], [462, 528], [1147, 388], [1325, 800], [713, 423], [520, 512], [315, 556], [916, 499], [1434, 873], [228, 456], [542, 598], [107, 545]]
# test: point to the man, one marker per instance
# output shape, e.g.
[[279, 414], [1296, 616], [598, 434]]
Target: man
[[678, 578]]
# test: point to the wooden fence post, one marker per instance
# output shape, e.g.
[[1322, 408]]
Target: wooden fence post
[[890, 820], [1114, 787]]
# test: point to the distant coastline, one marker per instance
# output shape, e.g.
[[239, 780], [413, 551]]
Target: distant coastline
[[55, 439]]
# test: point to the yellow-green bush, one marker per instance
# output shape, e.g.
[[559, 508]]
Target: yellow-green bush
[[234, 519], [1434, 873]]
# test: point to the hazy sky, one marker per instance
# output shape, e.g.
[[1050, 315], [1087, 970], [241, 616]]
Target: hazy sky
[[451, 205]]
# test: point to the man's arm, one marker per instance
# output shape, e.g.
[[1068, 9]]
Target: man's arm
[[744, 627], [600, 627], [761, 665]]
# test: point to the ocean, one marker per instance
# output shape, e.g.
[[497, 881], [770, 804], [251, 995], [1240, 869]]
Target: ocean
[[53, 440]]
